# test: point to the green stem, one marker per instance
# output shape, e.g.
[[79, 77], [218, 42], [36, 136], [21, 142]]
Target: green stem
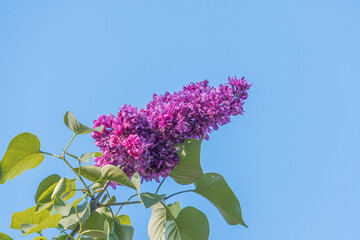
[[112, 214], [124, 204], [63, 155], [67, 163], [63, 231], [157, 190], [192, 190], [120, 203], [80, 178], [51, 154]]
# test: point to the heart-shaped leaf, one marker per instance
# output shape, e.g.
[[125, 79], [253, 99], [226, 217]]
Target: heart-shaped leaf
[[22, 154], [213, 187], [189, 169], [189, 224]]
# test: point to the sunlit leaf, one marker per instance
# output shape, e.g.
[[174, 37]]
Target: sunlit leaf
[[60, 188], [3, 236], [29, 222], [40, 238], [83, 212], [45, 201], [22, 154], [124, 220], [46, 184], [61, 207]]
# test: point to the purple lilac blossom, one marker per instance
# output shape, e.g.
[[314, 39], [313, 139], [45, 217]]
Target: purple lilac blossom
[[144, 141]]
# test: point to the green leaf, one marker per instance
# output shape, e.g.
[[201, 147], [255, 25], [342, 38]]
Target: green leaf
[[40, 238], [83, 212], [63, 237], [113, 236], [78, 128], [69, 191], [23, 154], [106, 228], [46, 184], [29, 222], [124, 232], [86, 156], [97, 186], [213, 187], [156, 229], [45, 201], [115, 174], [90, 172], [111, 200], [189, 169], [97, 220], [136, 181], [94, 233], [63, 208], [3, 236], [124, 220], [60, 188], [149, 199], [174, 210], [189, 224]]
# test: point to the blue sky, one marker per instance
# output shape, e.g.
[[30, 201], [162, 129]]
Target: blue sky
[[292, 159]]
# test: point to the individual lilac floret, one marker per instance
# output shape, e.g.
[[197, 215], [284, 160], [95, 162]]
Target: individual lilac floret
[[144, 141]]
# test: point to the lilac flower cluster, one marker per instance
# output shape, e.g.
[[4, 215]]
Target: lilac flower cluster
[[143, 141]]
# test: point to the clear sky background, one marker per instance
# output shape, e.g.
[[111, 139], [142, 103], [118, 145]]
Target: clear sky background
[[292, 159]]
